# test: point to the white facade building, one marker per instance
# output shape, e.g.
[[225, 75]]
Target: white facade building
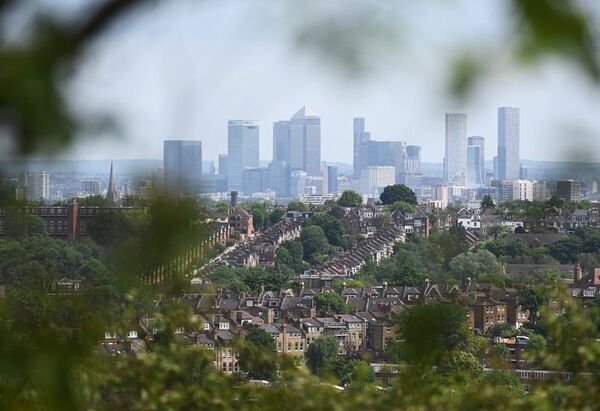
[[509, 162], [375, 178], [455, 160]]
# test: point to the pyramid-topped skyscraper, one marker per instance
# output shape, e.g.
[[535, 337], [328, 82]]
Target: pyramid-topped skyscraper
[[297, 141]]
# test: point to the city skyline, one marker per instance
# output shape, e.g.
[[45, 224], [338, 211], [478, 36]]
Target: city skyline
[[401, 101]]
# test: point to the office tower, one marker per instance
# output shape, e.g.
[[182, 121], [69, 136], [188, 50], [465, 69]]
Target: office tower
[[223, 167], [479, 142], [242, 150], [111, 192], [455, 161], [510, 190], [568, 190], [374, 179], [495, 167], [332, 179], [91, 187], [360, 137], [414, 158], [278, 178], [523, 172], [182, 166], [297, 183], [298, 141], [253, 180], [281, 141], [508, 143], [36, 185], [474, 174]]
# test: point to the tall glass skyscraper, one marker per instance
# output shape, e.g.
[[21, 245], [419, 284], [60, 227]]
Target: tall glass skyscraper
[[475, 173], [360, 137], [508, 143], [242, 150], [455, 161], [298, 141], [182, 164]]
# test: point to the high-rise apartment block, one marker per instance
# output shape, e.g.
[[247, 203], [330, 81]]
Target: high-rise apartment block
[[36, 185], [182, 166], [242, 150], [455, 160], [298, 141], [508, 143], [92, 187], [568, 190]]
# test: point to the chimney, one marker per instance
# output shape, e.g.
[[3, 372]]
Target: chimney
[[234, 199], [468, 283], [426, 283], [577, 274]]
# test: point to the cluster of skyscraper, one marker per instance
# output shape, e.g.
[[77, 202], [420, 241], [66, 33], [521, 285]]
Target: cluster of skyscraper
[[464, 162], [296, 168], [405, 159]]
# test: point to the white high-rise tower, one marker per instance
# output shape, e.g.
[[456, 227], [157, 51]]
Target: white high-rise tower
[[455, 161], [508, 143]]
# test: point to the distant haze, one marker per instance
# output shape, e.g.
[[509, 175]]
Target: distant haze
[[181, 69]]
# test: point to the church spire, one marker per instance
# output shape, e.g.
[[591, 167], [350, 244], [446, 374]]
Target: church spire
[[111, 193]]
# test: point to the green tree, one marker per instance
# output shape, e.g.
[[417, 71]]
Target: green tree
[[258, 355], [97, 200], [398, 192], [474, 265], [320, 353], [276, 215], [313, 241], [297, 206], [222, 207], [20, 225], [350, 198], [487, 203], [328, 304], [431, 331], [555, 202], [258, 215], [332, 227]]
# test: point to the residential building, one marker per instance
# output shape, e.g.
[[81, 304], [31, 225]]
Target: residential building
[[36, 185], [455, 160], [92, 187], [508, 143], [242, 150], [182, 164], [568, 190]]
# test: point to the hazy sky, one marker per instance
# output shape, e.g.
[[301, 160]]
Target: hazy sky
[[182, 69]]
